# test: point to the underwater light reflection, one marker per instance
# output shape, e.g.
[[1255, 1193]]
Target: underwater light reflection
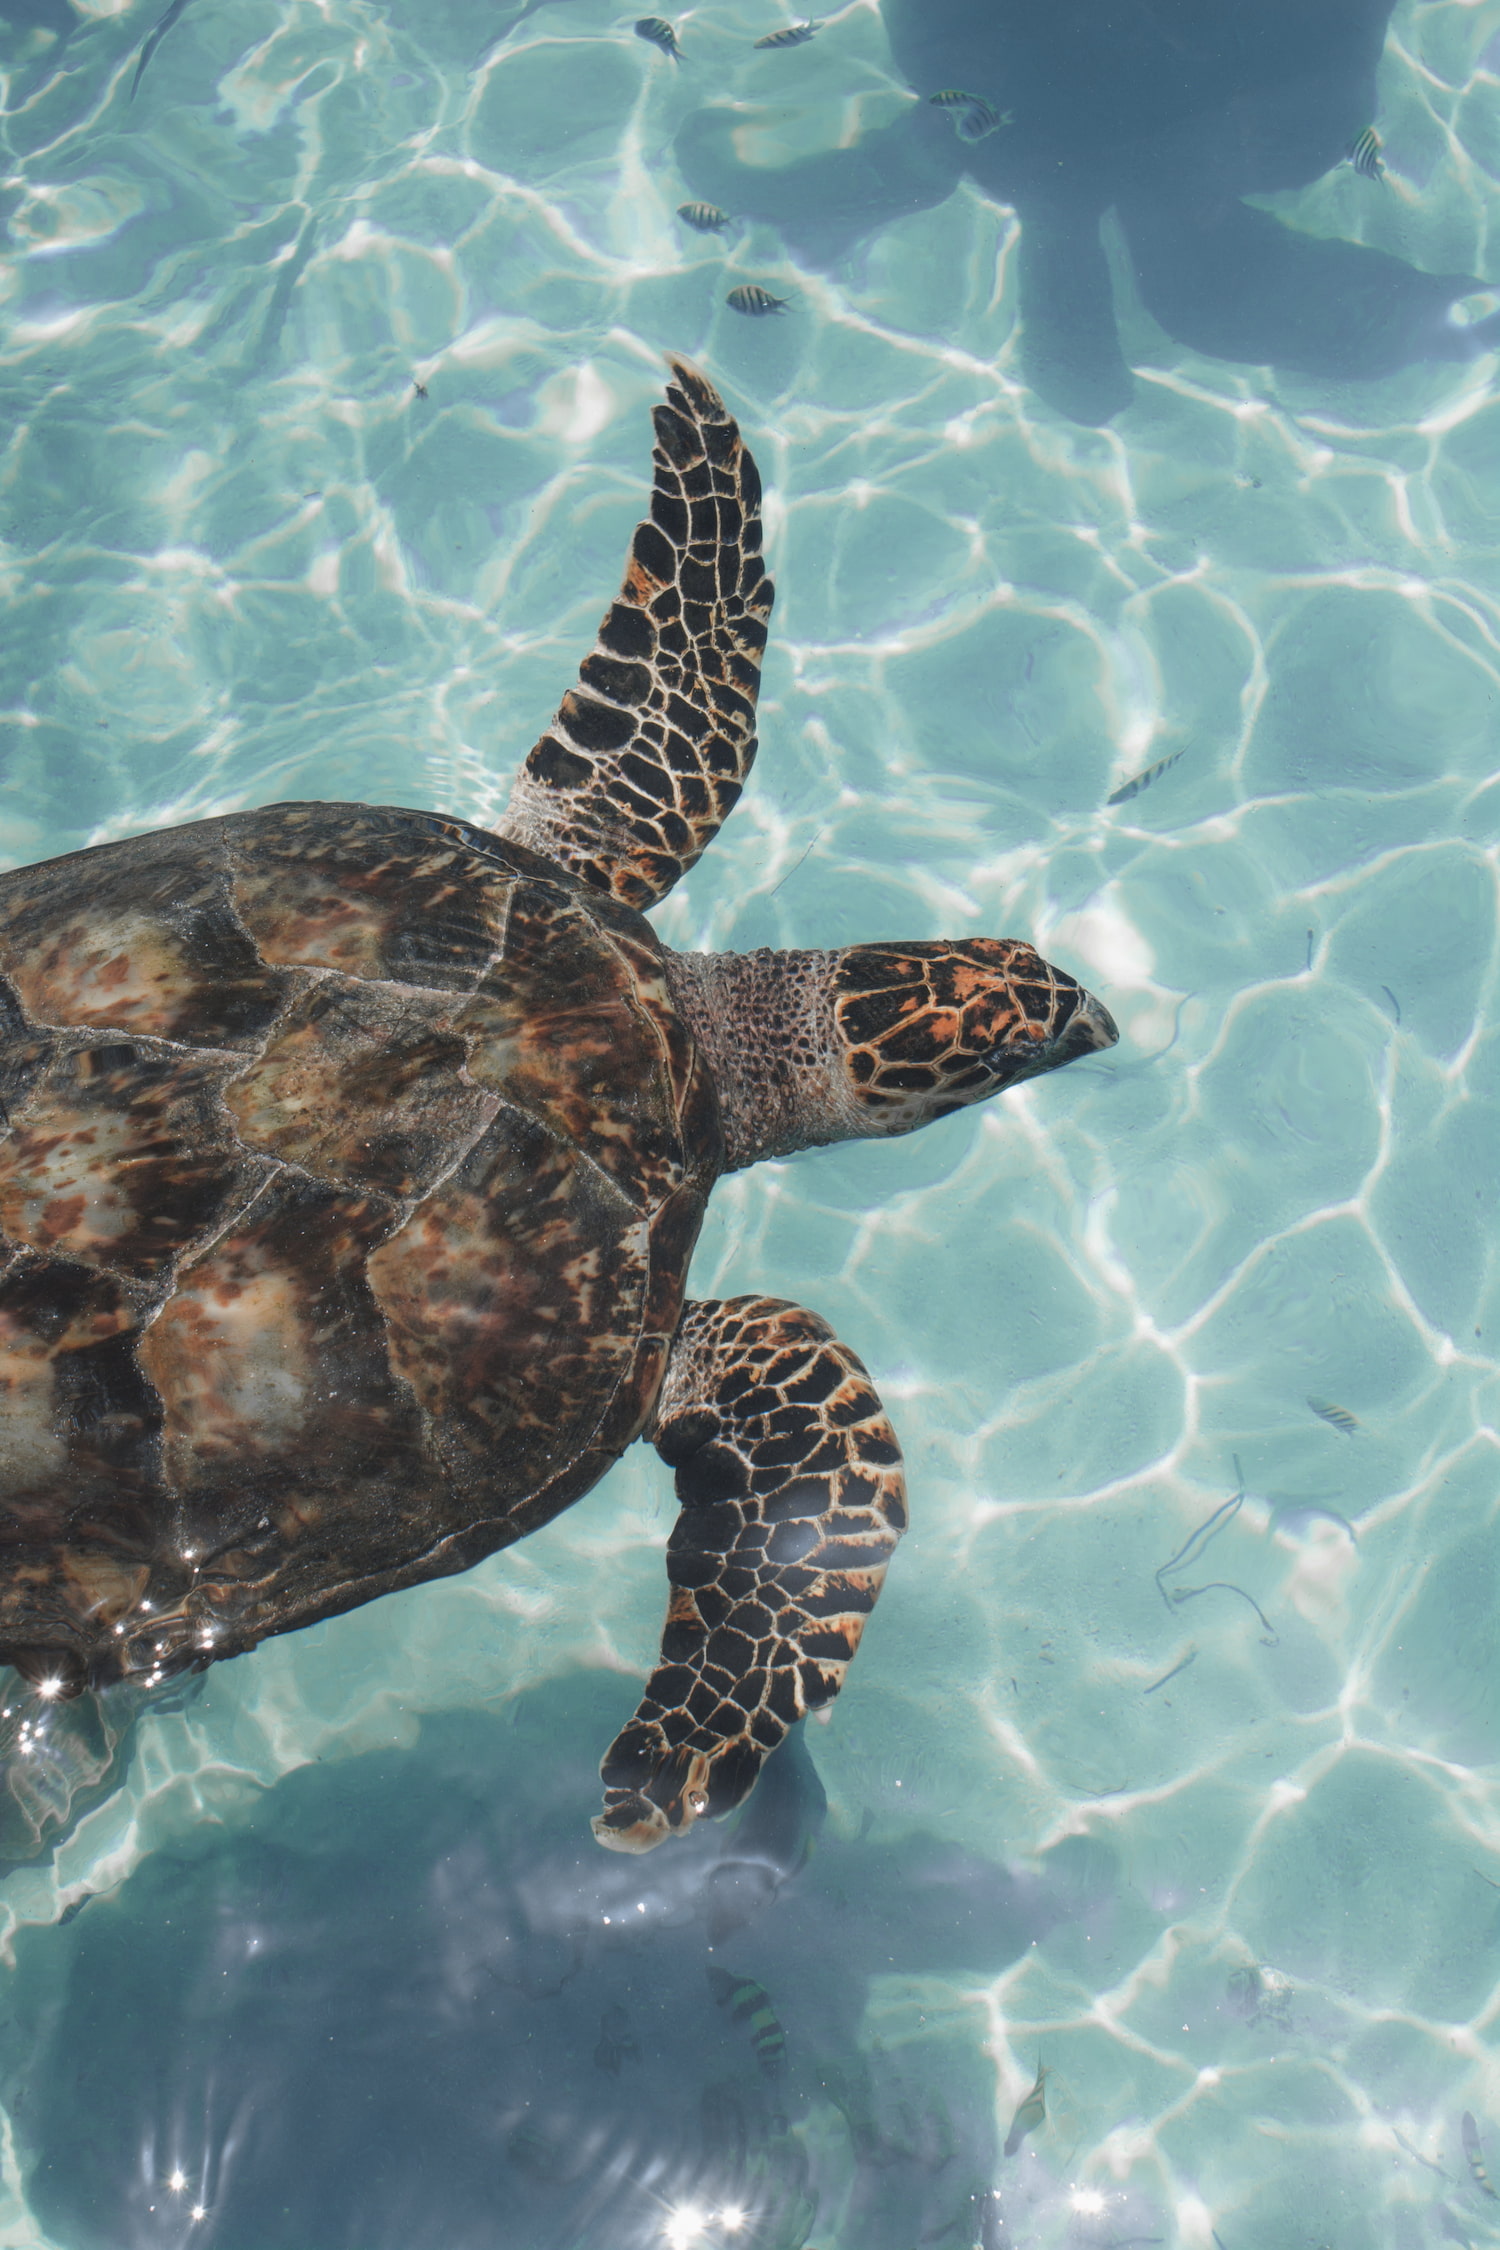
[[690, 2223], [684, 2227]]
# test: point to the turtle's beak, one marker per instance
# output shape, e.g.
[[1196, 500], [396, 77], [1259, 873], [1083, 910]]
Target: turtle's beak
[[1089, 1028]]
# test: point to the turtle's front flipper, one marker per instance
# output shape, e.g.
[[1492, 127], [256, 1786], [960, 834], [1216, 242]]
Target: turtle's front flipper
[[647, 755], [792, 1499]]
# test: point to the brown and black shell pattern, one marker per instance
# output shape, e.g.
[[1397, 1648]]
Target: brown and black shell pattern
[[351, 1160]]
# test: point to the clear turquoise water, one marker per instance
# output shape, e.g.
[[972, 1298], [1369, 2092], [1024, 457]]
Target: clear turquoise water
[[325, 1959]]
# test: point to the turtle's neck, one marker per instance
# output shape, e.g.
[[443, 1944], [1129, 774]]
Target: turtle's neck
[[764, 1025]]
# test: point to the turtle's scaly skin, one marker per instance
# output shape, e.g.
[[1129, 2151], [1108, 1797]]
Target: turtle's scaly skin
[[354, 1160]]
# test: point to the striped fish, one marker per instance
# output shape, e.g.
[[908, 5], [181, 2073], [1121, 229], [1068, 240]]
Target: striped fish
[[1363, 153], [1140, 781], [1031, 2113], [973, 117], [749, 2004], [706, 218], [980, 120], [1475, 2156], [793, 35], [660, 33], [1338, 1417], [757, 302]]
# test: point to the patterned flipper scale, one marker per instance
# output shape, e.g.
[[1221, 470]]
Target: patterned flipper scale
[[648, 754], [792, 1493]]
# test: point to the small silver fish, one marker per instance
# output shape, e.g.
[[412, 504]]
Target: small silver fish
[[707, 218], [1031, 2113], [660, 33], [1140, 781], [1475, 2155], [1338, 1416], [757, 302], [1363, 153], [793, 35]]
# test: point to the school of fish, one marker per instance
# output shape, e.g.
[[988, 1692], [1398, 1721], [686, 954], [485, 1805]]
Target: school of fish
[[974, 117]]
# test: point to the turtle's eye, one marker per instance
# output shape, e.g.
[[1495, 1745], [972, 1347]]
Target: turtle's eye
[[1044, 1013], [1019, 1045]]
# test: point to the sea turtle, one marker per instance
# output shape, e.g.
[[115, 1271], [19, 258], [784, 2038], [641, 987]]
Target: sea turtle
[[352, 1162]]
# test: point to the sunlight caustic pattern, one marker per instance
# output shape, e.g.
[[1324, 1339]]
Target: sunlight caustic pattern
[[326, 365]]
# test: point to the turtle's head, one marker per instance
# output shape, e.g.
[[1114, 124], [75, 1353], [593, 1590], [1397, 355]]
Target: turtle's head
[[807, 1048], [924, 1029]]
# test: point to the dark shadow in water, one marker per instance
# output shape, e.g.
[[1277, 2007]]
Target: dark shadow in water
[[40, 15], [1167, 111], [406, 2003]]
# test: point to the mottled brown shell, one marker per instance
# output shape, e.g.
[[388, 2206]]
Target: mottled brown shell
[[350, 1164]]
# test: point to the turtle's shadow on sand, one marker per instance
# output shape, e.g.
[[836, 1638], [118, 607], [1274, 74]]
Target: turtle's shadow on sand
[[1167, 112], [408, 1994]]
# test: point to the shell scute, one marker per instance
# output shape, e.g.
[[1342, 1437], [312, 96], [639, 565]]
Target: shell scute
[[145, 940], [38, 1312], [362, 1086], [78, 1446], [23, 1058], [674, 1232], [371, 893], [513, 1298], [560, 1027], [280, 1400], [118, 1158], [693, 1102]]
